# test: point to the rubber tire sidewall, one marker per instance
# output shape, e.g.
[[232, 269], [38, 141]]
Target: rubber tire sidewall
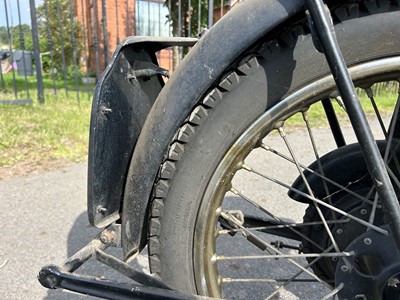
[[283, 69]]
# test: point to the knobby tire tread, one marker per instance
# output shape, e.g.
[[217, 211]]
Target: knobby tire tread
[[228, 84]]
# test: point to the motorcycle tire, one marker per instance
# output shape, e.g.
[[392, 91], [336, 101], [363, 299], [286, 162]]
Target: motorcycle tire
[[197, 206]]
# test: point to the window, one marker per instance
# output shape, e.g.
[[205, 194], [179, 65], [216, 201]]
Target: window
[[151, 18]]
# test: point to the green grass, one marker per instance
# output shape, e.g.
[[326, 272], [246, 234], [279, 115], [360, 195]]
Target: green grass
[[385, 101], [57, 131], [7, 84], [41, 133]]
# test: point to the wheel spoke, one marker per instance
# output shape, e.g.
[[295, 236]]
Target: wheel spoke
[[238, 193], [370, 95], [321, 215], [388, 150], [283, 225], [376, 228], [393, 129], [317, 157], [299, 273], [248, 280], [280, 213], [283, 255], [339, 101], [324, 178], [271, 248], [307, 184], [333, 292]]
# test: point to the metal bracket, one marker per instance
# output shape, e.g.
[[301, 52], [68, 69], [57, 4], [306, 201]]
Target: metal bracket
[[54, 277], [148, 287]]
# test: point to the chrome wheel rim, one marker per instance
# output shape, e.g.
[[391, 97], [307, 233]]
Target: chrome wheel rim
[[207, 259]]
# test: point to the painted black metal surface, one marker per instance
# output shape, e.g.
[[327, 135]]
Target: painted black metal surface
[[122, 100], [53, 277], [373, 272], [336, 165], [333, 123]]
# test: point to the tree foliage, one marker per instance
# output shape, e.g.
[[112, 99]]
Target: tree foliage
[[21, 37], [59, 34], [3, 36], [188, 24]]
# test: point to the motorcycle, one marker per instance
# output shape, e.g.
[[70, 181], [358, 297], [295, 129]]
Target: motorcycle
[[225, 175]]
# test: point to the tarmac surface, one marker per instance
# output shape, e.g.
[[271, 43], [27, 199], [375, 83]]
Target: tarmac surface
[[43, 219]]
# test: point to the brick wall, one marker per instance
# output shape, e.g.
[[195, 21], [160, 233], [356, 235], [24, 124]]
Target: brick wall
[[119, 22], [102, 33]]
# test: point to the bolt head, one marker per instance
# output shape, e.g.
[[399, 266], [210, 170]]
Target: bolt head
[[367, 241], [344, 268]]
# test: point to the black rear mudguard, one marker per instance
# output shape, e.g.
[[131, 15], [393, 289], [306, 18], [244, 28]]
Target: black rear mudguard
[[123, 97], [157, 123]]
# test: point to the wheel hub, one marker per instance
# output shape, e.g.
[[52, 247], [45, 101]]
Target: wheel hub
[[374, 271], [344, 233]]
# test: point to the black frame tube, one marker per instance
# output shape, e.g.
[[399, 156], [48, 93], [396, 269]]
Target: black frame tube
[[54, 277], [326, 34], [333, 122]]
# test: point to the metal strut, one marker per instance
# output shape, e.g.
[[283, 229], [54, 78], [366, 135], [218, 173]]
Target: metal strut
[[323, 26], [146, 286]]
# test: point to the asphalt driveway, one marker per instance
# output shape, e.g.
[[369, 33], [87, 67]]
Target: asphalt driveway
[[43, 221]]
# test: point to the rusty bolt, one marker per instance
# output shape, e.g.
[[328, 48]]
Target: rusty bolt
[[106, 237], [101, 209], [105, 110]]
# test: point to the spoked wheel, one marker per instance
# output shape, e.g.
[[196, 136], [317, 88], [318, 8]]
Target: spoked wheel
[[264, 193], [280, 223]]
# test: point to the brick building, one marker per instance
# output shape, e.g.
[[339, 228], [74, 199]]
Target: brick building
[[107, 22]]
